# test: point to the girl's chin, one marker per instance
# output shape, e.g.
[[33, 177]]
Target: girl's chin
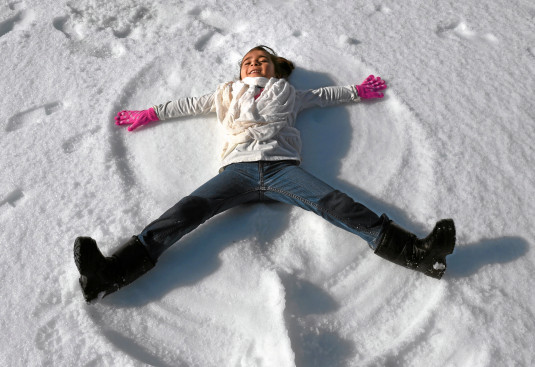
[[258, 75]]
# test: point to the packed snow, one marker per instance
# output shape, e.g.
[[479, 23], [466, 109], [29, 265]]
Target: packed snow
[[269, 285]]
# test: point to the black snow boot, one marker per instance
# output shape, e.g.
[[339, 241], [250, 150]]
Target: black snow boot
[[101, 275], [426, 255]]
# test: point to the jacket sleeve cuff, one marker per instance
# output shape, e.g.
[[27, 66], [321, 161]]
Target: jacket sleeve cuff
[[155, 108], [355, 97]]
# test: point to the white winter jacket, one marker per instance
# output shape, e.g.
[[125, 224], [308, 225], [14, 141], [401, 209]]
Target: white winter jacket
[[258, 128]]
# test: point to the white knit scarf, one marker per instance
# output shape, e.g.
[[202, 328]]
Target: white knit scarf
[[244, 118]]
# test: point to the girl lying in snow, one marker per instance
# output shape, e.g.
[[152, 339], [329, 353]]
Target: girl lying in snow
[[260, 163]]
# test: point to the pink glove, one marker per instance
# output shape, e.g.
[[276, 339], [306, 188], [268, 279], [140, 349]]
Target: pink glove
[[370, 87], [136, 118]]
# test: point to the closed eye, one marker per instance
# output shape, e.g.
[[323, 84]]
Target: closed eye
[[259, 60]]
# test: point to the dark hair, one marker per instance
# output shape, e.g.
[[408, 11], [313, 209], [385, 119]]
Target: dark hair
[[283, 67]]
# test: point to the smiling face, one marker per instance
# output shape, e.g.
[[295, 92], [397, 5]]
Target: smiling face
[[257, 63]]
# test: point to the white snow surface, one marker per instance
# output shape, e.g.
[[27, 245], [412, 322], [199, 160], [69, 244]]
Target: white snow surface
[[269, 285]]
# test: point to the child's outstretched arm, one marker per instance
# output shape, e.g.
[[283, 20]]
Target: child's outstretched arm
[[189, 106], [329, 96]]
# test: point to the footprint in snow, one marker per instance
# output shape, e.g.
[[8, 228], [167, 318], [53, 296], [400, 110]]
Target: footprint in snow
[[50, 341], [84, 19], [204, 40], [212, 26], [346, 40], [12, 198], [48, 336], [32, 116], [71, 144], [20, 21], [463, 31], [63, 25], [383, 9], [87, 27]]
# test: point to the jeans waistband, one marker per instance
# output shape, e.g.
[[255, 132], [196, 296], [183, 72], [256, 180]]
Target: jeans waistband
[[292, 162]]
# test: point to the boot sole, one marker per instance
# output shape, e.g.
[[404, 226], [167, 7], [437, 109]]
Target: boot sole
[[89, 292], [435, 266], [87, 256], [89, 261]]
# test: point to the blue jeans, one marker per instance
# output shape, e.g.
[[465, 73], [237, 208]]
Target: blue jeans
[[239, 183]]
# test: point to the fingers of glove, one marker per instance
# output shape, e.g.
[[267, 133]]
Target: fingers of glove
[[134, 126], [126, 117], [369, 79], [378, 85], [366, 92], [380, 81], [376, 81], [372, 95], [119, 117]]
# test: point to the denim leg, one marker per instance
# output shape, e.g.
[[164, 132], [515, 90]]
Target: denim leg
[[258, 181], [295, 186], [234, 186]]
